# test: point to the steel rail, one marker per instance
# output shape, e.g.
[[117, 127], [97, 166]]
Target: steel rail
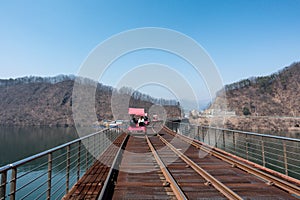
[[227, 192], [270, 179], [173, 184], [114, 167]]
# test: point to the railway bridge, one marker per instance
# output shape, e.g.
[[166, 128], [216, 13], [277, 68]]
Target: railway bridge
[[168, 161]]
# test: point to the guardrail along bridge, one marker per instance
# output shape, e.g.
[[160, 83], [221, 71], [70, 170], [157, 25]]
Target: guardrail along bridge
[[170, 161]]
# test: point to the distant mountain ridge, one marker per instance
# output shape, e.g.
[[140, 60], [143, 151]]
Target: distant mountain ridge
[[48, 101], [275, 95], [268, 102]]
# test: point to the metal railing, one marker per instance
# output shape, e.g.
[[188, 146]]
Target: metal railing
[[50, 174], [275, 152]]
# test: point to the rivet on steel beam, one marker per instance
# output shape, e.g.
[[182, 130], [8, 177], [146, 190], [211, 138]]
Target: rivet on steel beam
[[208, 183], [166, 184], [270, 183]]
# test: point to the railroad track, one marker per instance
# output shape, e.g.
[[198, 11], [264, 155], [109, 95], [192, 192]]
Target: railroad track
[[270, 181], [209, 179], [171, 166], [168, 166]]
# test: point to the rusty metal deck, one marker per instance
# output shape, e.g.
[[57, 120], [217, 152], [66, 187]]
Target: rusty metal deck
[[244, 184], [140, 176], [90, 185]]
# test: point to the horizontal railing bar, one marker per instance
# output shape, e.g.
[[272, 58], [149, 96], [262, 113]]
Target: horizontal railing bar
[[28, 159], [273, 154], [60, 195], [43, 193], [58, 189], [72, 163], [290, 146], [58, 180], [272, 143], [35, 189], [73, 176], [60, 156], [57, 173], [292, 165], [293, 159], [273, 149], [257, 160], [74, 155], [252, 148], [59, 164], [32, 170], [248, 133], [1, 185], [294, 172], [255, 154], [74, 148], [31, 181], [275, 166], [274, 162]]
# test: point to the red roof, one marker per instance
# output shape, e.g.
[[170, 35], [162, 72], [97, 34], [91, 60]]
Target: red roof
[[136, 111]]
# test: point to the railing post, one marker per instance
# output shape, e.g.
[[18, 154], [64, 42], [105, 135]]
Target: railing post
[[94, 147], [263, 152], [216, 141], [203, 137], [13, 183], [100, 147], [86, 154], [78, 160], [68, 169], [194, 132], [110, 135], [247, 147], [3, 185], [100, 142], [49, 175], [223, 135], [208, 135], [233, 141], [97, 142], [285, 158]]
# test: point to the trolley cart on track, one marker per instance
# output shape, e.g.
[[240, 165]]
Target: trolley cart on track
[[137, 122]]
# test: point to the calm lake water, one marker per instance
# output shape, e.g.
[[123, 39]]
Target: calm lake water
[[17, 143]]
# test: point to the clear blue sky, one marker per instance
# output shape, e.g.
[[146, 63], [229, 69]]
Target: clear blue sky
[[244, 38]]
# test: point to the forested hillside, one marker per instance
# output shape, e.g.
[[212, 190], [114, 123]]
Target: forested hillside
[[261, 103], [48, 101], [275, 95]]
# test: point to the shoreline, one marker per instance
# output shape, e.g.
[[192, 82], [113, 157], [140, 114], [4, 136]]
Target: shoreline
[[248, 123]]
